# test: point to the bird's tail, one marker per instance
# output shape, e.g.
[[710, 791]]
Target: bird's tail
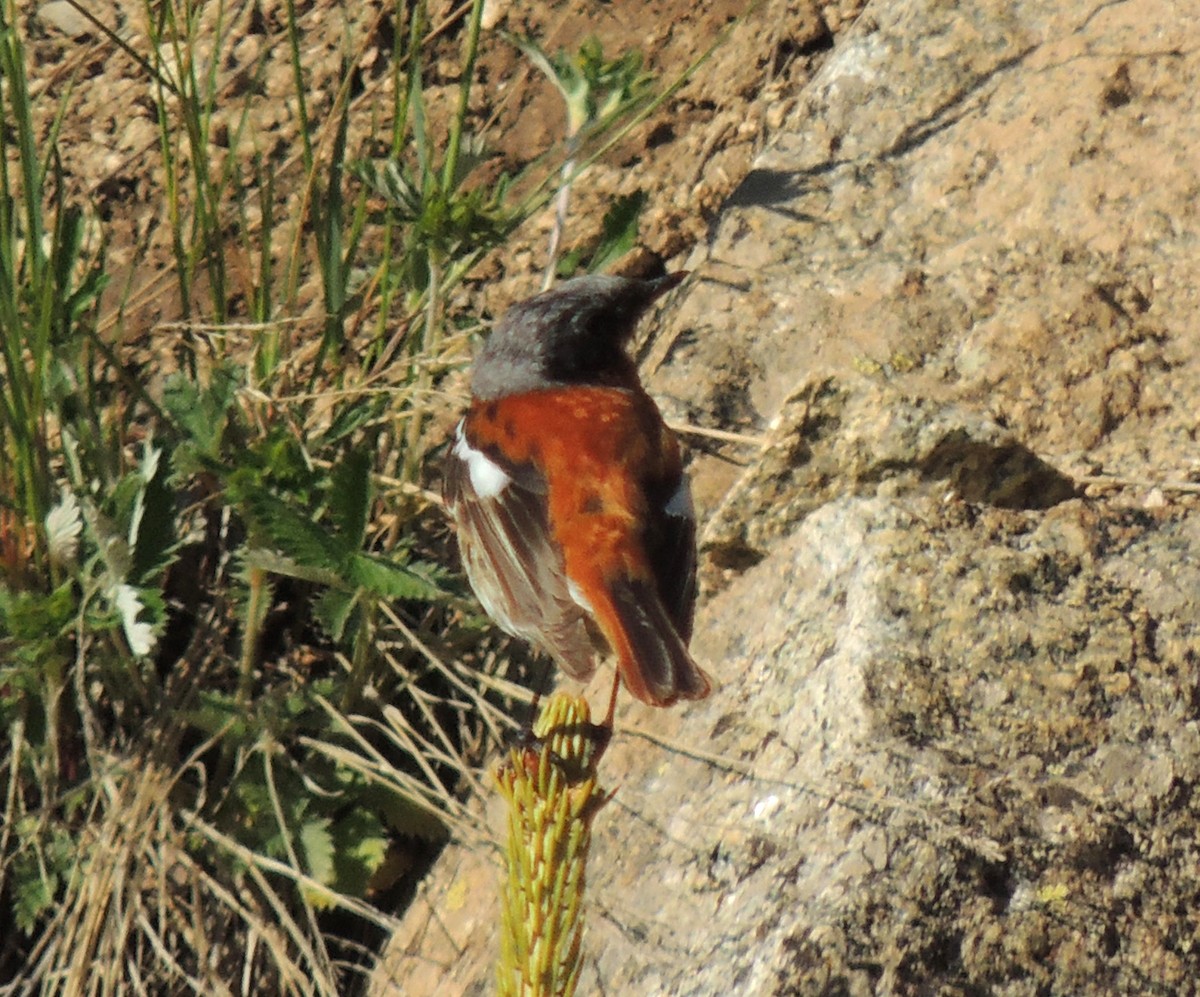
[[653, 660]]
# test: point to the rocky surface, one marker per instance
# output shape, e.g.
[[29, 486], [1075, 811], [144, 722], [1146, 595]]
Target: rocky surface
[[953, 597]]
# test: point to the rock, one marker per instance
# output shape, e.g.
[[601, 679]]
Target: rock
[[827, 439], [954, 747], [66, 18]]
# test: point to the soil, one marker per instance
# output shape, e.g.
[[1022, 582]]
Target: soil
[[737, 72]]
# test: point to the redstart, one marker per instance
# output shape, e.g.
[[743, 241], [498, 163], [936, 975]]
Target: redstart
[[573, 512]]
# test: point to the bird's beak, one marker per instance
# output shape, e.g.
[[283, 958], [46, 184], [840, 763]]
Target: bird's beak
[[661, 285]]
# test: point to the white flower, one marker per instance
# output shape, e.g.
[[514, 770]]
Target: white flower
[[63, 526], [140, 635]]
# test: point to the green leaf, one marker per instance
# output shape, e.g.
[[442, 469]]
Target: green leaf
[[352, 417], [33, 617], [361, 847], [219, 711], [50, 857], [568, 264], [202, 415], [393, 580], [33, 893], [619, 232], [350, 496], [333, 609], [278, 564], [86, 295], [293, 533], [596, 91], [408, 817], [317, 845], [283, 460]]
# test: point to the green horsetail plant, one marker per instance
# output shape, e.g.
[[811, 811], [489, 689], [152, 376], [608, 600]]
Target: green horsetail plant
[[552, 795]]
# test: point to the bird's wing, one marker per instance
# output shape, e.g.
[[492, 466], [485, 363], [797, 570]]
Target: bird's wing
[[671, 546], [514, 566], [654, 616]]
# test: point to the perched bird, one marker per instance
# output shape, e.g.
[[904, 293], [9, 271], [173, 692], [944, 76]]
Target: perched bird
[[574, 515]]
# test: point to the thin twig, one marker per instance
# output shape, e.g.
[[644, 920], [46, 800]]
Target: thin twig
[[1114, 481], [691, 429]]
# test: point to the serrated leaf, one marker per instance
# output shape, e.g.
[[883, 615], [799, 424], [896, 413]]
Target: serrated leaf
[[332, 610], [350, 496], [280, 564], [408, 817], [294, 534], [202, 413], [32, 894], [361, 847], [317, 844], [619, 231], [283, 459], [393, 580]]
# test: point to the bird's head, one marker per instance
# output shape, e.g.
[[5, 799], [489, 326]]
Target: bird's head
[[576, 333]]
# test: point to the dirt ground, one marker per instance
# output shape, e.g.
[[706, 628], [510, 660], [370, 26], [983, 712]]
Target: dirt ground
[[736, 71]]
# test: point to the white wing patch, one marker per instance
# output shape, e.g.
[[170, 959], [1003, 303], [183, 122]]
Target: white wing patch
[[488, 478]]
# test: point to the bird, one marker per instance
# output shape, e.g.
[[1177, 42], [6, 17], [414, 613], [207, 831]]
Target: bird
[[567, 490]]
